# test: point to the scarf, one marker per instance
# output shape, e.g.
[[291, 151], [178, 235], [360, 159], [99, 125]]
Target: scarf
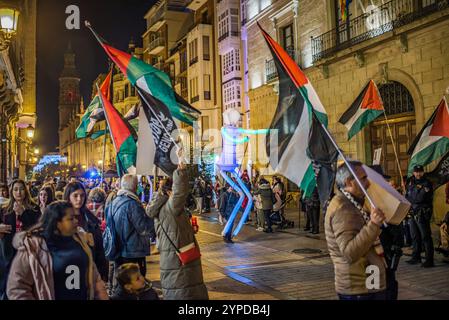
[[366, 217]]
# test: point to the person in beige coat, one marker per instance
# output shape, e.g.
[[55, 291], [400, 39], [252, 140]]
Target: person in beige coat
[[173, 228], [46, 259], [352, 236]]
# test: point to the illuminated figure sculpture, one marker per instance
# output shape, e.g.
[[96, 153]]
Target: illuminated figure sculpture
[[232, 136]]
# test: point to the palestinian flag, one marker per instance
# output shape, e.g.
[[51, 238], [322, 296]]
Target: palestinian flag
[[433, 140], [90, 117], [292, 120], [156, 146], [122, 136], [152, 81], [364, 110]]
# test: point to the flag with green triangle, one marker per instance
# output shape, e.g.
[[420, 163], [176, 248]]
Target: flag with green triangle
[[433, 140], [367, 107], [89, 120]]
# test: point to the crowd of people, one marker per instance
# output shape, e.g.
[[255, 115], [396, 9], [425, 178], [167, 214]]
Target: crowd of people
[[54, 240]]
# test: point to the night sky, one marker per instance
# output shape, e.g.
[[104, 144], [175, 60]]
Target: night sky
[[115, 20]]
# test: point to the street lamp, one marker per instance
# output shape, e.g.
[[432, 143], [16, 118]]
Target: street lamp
[[9, 17], [30, 132], [100, 162], [36, 151]]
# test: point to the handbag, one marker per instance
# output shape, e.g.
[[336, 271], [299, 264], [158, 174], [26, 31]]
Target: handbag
[[186, 254]]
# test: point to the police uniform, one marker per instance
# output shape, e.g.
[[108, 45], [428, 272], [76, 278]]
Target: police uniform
[[313, 212], [420, 195]]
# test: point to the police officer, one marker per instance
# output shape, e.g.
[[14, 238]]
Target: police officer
[[313, 211], [420, 195]]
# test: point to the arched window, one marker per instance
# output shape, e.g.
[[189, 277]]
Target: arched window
[[396, 98]]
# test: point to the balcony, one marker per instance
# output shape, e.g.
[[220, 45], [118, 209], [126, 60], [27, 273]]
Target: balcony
[[226, 34], [157, 20], [194, 99], [193, 61], [196, 4], [270, 71], [156, 46], [383, 19]]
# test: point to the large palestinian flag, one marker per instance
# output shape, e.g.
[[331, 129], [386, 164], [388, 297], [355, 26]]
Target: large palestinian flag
[[365, 109], [90, 117], [433, 140], [122, 136], [292, 120], [152, 81]]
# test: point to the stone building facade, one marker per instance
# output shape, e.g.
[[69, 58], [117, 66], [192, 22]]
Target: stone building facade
[[403, 47]]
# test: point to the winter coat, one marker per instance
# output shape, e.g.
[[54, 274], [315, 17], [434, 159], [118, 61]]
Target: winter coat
[[147, 293], [228, 200], [266, 195], [179, 282], [351, 246], [134, 228], [91, 224], [28, 218], [31, 275]]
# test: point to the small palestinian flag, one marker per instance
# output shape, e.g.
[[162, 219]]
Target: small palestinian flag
[[364, 110], [433, 140], [90, 118], [152, 81]]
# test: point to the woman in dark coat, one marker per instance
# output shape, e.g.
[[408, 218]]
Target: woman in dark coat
[[20, 213], [76, 195]]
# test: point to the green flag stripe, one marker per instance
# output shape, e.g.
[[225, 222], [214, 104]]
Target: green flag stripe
[[429, 154], [367, 117], [308, 182]]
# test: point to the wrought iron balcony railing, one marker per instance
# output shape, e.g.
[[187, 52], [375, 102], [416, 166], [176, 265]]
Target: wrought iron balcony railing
[[373, 23]]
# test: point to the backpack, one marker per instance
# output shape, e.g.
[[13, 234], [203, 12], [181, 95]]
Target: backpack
[[111, 243]]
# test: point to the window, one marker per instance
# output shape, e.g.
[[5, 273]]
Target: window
[[206, 48], [288, 40], [183, 61], [133, 91], [193, 51], [206, 79], [204, 16], [205, 126], [231, 62], [194, 90], [126, 91]]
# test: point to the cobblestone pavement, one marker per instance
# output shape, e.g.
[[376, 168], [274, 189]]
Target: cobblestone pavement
[[288, 264]]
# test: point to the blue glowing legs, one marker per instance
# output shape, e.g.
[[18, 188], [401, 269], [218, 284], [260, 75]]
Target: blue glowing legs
[[230, 222], [243, 191], [247, 209]]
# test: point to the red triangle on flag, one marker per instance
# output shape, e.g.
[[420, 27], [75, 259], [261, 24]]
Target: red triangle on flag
[[372, 99], [440, 127]]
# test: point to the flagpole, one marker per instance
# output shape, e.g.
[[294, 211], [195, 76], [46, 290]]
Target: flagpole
[[104, 152], [394, 150], [340, 152]]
